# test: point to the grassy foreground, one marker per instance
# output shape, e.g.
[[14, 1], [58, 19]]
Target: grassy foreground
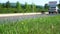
[[44, 25]]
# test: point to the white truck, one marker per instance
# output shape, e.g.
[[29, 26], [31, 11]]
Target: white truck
[[52, 7]]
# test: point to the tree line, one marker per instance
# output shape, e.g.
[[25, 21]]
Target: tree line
[[19, 8]]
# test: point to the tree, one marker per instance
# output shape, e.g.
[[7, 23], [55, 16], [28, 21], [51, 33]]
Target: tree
[[30, 8], [59, 6], [18, 6], [8, 4], [27, 8], [46, 7], [0, 5], [33, 7], [3, 6], [39, 8]]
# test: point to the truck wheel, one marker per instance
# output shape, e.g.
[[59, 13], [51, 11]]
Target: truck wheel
[[52, 12], [49, 12]]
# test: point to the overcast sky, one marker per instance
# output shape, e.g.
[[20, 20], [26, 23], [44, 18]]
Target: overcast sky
[[37, 2]]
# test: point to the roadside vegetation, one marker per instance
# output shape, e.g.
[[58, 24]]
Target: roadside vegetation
[[43, 25], [21, 8]]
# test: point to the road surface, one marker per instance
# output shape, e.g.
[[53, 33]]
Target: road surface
[[14, 17]]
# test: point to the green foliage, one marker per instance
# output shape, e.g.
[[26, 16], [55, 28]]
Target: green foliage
[[19, 8], [43, 25], [39, 9], [9, 10], [33, 7], [0, 5], [46, 7], [27, 8], [18, 5], [8, 4], [3, 6], [59, 6]]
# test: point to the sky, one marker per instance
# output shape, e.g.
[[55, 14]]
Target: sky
[[36, 2]]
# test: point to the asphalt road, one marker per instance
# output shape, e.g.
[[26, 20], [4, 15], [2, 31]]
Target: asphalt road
[[21, 17]]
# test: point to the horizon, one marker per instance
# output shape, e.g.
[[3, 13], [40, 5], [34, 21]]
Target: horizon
[[36, 2]]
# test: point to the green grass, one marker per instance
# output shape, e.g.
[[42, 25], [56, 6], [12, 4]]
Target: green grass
[[44, 25]]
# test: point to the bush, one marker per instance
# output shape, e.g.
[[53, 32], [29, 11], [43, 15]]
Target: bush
[[43, 12]]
